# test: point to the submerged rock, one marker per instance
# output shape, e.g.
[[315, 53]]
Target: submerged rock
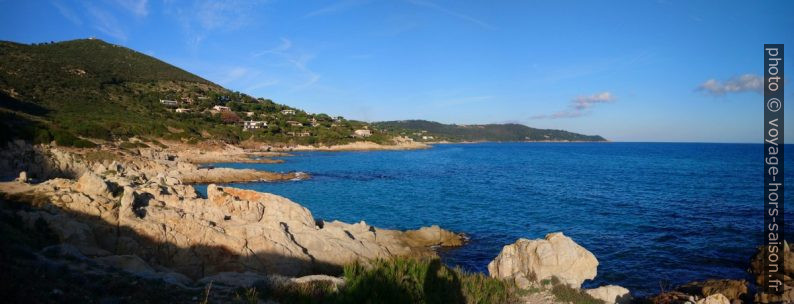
[[555, 256]]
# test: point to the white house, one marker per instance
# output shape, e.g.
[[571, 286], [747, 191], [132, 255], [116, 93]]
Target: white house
[[253, 124], [182, 110], [288, 112], [294, 123], [427, 137], [221, 109], [169, 103], [362, 133], [249, 114]]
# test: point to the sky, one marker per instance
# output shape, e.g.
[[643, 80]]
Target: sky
[[627, 70]]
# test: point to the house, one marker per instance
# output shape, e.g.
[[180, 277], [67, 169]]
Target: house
[[304, 134], [221, 108], [253, 124], [362, 133], [169, 103], [249, 114], [203, 97], [187, 100], [288, 112], [315, 123], [294, 123], [427, 137], [182, 110]]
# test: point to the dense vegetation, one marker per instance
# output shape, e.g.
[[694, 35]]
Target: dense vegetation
[[402, 280], [89, 89], [82, 92], [490, 132]]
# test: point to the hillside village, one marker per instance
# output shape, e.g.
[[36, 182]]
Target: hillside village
[[266, 117]]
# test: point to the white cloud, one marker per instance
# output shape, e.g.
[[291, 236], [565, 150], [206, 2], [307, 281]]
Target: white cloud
[[579, 106], [136, 7], [736, 84]]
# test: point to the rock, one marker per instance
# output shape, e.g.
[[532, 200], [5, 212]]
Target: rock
[[129, 263], [731, 289], [92, 184], [23, 177], [757, 270], [433, 236], [611, 294], [714, 299], [555, 256], [235, 279]]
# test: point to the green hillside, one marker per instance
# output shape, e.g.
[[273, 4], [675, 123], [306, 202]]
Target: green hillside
[[430, 130], [94, 90], [87, 91]]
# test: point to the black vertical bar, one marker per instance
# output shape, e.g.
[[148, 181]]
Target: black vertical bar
[[773, 169]]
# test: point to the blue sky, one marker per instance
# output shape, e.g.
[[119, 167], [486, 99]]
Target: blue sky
[[626, 70]]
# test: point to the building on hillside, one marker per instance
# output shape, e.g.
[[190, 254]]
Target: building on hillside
[[169, 103], [427, 137], [288, 112], [304, 134], [221, 109], [315, 123], [186, 100], [294, 123], [253, 124], [182, 110], [249, 114], [362, 133]]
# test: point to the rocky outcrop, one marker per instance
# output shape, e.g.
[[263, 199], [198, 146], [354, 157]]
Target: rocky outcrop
[[131, 216], [731, 289], [535, 260], [714, 299], [611, 294], [757, 270]]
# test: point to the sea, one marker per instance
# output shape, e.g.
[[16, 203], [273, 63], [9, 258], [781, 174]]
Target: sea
[[656, 215]]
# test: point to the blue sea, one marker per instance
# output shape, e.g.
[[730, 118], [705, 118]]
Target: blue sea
[[654, 214]]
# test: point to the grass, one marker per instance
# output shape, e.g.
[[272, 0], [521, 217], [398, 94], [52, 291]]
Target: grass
[[567, 294], [401, 280]]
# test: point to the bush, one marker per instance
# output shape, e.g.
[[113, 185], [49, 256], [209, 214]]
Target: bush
[[402, 280]]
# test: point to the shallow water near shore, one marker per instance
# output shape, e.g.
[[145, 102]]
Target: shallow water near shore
[[654, 214]]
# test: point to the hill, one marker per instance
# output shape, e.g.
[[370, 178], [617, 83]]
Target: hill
[[430, 130], [89, 89]]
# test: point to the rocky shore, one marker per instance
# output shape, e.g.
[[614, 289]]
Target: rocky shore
[[132, 215]]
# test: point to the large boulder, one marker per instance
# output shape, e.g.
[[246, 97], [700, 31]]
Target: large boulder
[[555, 256], [611, 294], [91, 184]]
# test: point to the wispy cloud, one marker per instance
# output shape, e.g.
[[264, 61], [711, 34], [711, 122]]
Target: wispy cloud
[[106, 22], [297, 60], [136, 7], [67, 13], [580, 106], [452, 13], [199, 19], [736, 84], [336, 7]]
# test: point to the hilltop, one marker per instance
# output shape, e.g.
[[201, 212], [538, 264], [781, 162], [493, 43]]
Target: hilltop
[[430, 130], [89, 89]]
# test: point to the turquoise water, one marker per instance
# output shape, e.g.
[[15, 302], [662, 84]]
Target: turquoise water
[[651, 212]]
